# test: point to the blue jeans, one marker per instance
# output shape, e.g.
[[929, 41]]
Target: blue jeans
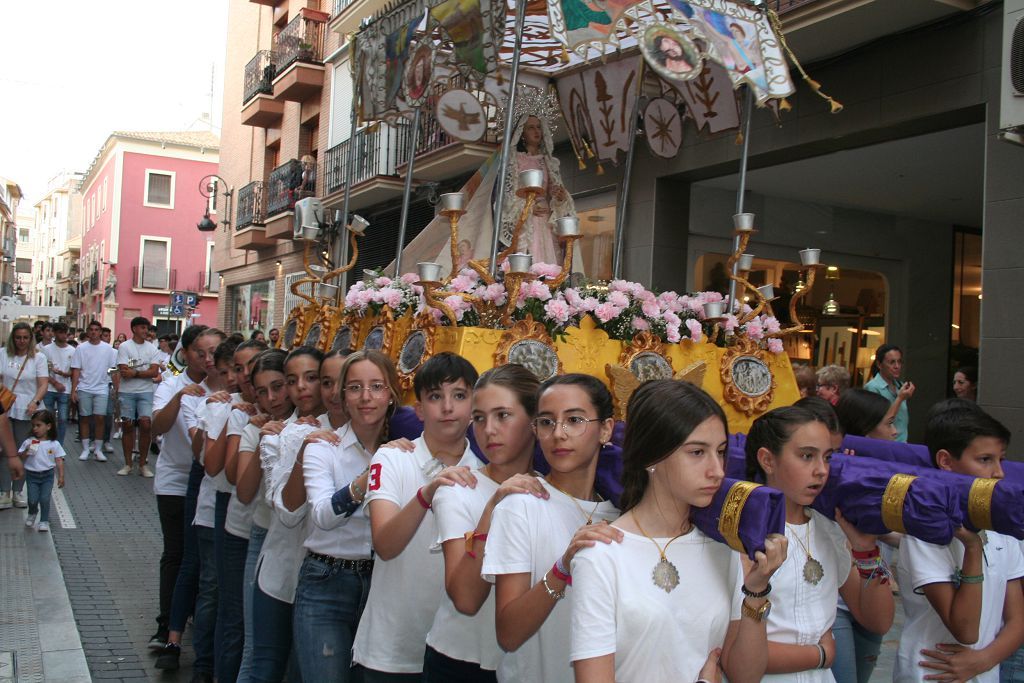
[[205, 620], [328, 603], [440, 668], [231, 553], [248, 583], [856, 650], [1012, 668], [272, 639], [57, 402], [40, 486], [184, 601]]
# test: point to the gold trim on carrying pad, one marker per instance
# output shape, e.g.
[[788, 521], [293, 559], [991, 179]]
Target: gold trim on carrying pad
[[732, 508], [979, 503], [892, 501]]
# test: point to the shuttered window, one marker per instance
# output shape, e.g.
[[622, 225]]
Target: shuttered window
[[154, 261], [160, 189]]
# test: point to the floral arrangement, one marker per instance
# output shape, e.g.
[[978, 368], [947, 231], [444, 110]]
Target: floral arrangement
[[371, 294]]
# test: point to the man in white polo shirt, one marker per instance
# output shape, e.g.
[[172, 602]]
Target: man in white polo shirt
[[89, 388], [138, 365]]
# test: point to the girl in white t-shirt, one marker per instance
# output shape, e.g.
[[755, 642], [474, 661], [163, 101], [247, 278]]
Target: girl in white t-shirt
[[667, 603], [532, 541], [43, 454], [790, 449], [461, 645], [334, 581]]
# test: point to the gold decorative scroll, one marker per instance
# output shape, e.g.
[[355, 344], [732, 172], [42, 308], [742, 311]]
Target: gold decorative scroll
[[892, 501], [979, 503], [732, 510]]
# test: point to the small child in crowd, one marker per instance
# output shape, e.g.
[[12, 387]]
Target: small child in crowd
[[42, 454]]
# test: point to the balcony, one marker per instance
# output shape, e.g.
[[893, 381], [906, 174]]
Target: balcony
[[259, 108], [439, 156], [347, 14], [300, 52], [150, 278], [288, 183], [251, 218], [374, 175]]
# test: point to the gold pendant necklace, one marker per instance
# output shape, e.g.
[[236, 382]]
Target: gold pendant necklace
[[664, 575], [590, 517], [813, 571]]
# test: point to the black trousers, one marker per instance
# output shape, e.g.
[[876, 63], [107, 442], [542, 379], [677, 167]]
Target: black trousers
[[172, 523]]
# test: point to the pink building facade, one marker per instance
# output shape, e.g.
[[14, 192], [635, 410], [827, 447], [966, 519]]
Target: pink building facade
[[141, 203]]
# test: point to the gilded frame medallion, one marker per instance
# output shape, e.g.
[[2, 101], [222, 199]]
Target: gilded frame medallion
[[416, 349], [747, 380], [645, 358], [527, 343]]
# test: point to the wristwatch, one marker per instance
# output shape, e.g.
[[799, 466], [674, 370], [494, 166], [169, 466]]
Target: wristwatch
[[758, 614]]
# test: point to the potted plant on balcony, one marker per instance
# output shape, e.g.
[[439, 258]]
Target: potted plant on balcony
[[305, 51]]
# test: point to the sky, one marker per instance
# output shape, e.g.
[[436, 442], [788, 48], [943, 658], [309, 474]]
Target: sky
[[73, 72]]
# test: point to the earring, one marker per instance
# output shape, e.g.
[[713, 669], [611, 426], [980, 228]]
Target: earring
[[650, 469]]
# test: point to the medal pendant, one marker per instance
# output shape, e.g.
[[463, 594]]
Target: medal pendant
[[432, 468], [813, 571], [665, 575]]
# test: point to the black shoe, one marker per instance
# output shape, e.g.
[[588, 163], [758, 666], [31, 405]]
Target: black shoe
[[168, 658], [200, 677], [159, 640], [154, 449]]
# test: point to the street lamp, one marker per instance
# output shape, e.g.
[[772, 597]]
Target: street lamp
[[208, 188]]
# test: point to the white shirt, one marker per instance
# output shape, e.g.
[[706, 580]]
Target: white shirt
[[209, 418], [405, 591], [241, 516], [527, 535], [25, 389], [327, 469], [457, 509], [59, 358], [94, 360], [654, 635], [924, 563], [175, 461], [42, 455], [138, 357], [802, 612]]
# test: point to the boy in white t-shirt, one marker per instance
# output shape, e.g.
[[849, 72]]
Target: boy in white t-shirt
[[90, 389], [138, 364], [965, 606], [58, 360], [408, 577]]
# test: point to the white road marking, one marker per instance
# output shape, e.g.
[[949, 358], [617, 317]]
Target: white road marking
[[60, 503]]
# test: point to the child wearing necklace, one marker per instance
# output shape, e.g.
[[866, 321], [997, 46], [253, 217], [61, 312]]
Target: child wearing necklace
[[532, 541], [408, 578], [667, 603], [790, 449]]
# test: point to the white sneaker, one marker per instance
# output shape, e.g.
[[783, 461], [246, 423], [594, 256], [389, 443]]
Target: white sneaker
[[19, 499], [30, 521], [125, 471], [5, 501], [146, 472], [108, 447], [99, 455], [84, 456], [43, 527], [86, 445]]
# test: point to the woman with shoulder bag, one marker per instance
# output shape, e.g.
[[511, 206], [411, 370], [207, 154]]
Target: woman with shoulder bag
[[24, 373]]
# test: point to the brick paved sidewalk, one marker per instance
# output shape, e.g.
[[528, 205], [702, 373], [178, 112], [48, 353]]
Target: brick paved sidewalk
[[110, 562]]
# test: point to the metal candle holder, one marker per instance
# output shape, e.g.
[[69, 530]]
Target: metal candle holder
[[452, 204], [428, 271], [810, 257], [714, 309], [745, 262], [520, 263], [743, 222]]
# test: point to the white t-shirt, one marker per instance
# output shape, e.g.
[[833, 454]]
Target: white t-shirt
[[654, 635], [60, 359], [42, 455], [405, 591], [802, 612], [457, 509], [527, 535], [175, 461], [241, 516], [138, 357], [25, 389], [925, 563], [210, 418], [94, 360]]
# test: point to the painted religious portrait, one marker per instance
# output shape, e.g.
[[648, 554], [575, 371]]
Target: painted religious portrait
[[670, 53]]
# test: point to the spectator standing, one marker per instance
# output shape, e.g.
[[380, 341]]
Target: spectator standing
[[275, 337], [89, 389], [138, 364], [965, 383], [23, 372], [887, 384], [833, 380], [806, 381], [58, 394]]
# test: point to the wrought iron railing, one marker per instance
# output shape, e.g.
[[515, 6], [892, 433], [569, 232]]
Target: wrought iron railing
[[94, 281], [378, 150], [252, 205], [783, 6], [289, 183], [432, 137], [154, 278], [302, 40], [259, 75], [339, 6]]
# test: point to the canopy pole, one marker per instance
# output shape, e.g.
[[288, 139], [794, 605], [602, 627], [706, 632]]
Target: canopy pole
[[506, 140], [620, 217], [748, 110], [349, 172], [413, 143]]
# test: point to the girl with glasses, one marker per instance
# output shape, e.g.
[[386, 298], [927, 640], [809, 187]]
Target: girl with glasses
[[532, 541]]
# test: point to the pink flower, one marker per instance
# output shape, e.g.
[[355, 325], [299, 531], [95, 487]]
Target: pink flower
[[548, 271], [775, 345], [391, 297], [672, 334], [505, 266], [771, 324], [572, 297], [557, 310], [696, 306], [495, 293], [671, 319], [730, 322], [618, 286], [410, 278], [589, 304], [711, 296], [640, 324], [606, 312], [463, 283], [382, 281], [754, 330], [650, 309], [533, 289], [695, 329], [636, 289], [618, 299], [458, 305]]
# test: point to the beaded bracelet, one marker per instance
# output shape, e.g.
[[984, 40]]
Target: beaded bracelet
[[557, 595], [960, 578]]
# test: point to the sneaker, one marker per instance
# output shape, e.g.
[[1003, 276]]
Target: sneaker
[[30, 521], [167, 660], [44, 527], [5, 501], [108, 447], [84, 456], [20, 501], [159, 640], [146, 472], [125, 471], [99, 455]]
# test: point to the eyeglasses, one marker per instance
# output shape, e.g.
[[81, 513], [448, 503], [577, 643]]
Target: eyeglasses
[[573, 426], [376, 389]]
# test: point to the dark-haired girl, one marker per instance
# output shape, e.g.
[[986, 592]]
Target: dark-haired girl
[[43, 455], [532, 541], [667, 603], [865, 413], [790, 449]]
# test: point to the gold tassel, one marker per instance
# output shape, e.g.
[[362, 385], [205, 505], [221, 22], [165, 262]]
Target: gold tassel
[[590, 152], [500, 78], [600, 169], [784, 105], [582, 165], [565, 56], [834, 105], [739, 138]]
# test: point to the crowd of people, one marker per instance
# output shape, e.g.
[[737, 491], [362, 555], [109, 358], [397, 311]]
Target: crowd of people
[[316, 529]]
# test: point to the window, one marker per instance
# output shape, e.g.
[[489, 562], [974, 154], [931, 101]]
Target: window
[[159, 189], [103, 196], [211, 203], [154, 263], [23, 236]]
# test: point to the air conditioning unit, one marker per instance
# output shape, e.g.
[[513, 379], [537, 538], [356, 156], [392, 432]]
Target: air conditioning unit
[[1011, 109], [309, 216]]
